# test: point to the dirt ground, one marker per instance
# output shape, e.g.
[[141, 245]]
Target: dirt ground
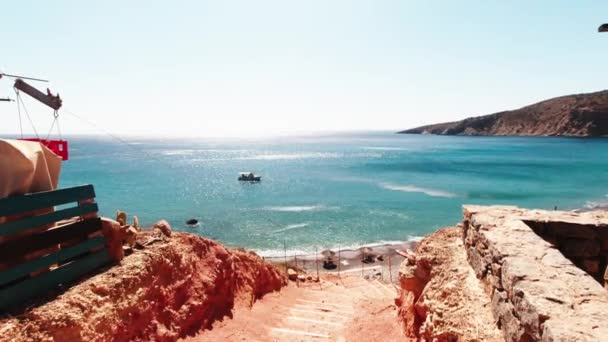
[[170, 289], [346, 309]]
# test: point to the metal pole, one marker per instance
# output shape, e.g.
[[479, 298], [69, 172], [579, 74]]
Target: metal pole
[[295, 260], [23, 77], [317, 261], [285, 250], [390, 273], [339, 261], [362, 264]]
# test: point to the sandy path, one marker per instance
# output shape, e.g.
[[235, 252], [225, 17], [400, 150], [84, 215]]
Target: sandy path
[[349, 308]]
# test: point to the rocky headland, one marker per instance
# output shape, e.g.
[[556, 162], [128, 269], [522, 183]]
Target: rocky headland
[[581, 115]]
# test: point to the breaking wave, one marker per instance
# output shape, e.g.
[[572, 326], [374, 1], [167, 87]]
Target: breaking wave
[[299, 208], [292, 156], [185, 152], [413, 188], [347, 250], [385, 148], [291, 227]]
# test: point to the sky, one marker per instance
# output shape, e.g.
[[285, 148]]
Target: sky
[[256, 68]]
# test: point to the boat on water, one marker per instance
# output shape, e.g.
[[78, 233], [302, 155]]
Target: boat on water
[[249, 177]]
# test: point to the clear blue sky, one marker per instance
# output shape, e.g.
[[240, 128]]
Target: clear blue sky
[[261, 67]]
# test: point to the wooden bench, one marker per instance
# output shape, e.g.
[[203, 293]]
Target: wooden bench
[[34, 259]]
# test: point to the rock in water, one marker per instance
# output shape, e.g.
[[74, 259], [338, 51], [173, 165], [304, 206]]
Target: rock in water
[[192, 222]]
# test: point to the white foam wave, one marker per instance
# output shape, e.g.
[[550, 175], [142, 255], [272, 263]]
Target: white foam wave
[[413, 188], [279, 253], [352, 179], [389, 213], [292, 156], [596, 205], [347, 250], [385, 148], [178, 152], [415, 238], [300, 208], [291, 227]]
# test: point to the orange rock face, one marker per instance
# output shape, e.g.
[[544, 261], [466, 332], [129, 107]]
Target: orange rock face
[[170, 289], [164, 227], [440, 297], [114, 236]]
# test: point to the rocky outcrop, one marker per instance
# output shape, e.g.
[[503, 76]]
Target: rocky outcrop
[[573, 115], [537, 293], [440, 297], [166, 289]]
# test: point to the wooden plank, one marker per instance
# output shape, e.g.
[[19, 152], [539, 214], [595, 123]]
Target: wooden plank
[[24, 269], [45, 199], [13, 249], [48, 281], [20, 225]]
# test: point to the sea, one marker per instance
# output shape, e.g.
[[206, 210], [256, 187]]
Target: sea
[[332, 190]]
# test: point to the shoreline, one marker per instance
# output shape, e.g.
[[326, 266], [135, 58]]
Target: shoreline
[[349, 260], [308, 253]]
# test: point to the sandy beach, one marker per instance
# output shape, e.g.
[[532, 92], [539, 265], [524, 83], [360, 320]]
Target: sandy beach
[[384, 263]]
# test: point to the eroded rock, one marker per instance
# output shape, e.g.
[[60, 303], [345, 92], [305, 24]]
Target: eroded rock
[[164, 227]]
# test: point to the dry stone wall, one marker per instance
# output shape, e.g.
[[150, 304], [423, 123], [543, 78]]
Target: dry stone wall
[[586, 245], [537, 294]]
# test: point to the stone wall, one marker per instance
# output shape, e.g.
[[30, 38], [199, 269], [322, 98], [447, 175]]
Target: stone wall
[[585, 245], [537, 294]]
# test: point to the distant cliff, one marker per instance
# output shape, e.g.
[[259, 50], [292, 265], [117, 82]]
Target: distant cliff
[[579, 115]]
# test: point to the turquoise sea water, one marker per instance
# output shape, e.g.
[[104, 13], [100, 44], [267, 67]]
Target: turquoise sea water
[[330, 190]]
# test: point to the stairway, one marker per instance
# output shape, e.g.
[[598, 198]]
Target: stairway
[[323, 311]]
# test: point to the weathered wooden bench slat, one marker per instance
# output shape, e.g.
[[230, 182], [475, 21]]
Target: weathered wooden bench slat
[[45, 199], [13, 227], [47, 281], [28, 267], [78, 230]]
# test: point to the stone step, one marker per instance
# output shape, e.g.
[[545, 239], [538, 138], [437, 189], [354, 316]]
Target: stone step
[[308, 324], [321, 321], [333, 317], [285, 334], [334, 296], [323, 308], [389, 290], [325, 302], [366, 291]]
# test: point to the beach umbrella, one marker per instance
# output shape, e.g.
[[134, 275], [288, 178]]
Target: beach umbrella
[[603, 28], [328, 253], [366, 250]]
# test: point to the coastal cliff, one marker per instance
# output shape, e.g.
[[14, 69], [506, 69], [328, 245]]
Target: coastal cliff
[[170, 289], [581, 115]]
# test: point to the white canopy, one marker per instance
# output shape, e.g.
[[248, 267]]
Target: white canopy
[[27, 166]]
